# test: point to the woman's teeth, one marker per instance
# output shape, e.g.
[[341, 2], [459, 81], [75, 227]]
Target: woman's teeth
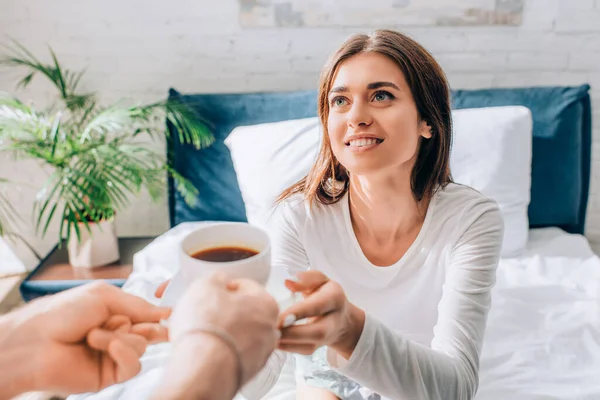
[[362, 142]]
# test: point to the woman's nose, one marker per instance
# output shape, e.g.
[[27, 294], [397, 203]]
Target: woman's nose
[[359, 116]]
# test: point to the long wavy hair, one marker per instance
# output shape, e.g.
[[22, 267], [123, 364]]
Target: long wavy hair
[[328, 180]]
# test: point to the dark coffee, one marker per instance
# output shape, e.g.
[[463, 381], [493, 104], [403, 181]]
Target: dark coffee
[[224, 254]]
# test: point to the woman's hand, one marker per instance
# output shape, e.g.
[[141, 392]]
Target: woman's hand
[[331, 320]]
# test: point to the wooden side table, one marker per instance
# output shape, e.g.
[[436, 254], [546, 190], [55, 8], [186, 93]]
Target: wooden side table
[[55, 274]]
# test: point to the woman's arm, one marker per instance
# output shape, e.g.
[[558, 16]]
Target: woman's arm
[[289, 257], [398, 368], [285, 228]]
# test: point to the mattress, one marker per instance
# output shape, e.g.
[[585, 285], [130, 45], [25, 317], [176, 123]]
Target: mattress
[[542, 339]]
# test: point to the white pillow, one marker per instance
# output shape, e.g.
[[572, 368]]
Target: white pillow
[[491, 153], [269, 158]]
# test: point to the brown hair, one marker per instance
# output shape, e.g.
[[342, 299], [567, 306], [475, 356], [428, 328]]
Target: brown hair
[[430, 91]]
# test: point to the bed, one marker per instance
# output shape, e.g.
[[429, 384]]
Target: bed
[[543, 336]]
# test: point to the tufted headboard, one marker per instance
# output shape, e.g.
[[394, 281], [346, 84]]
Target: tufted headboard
[[561, 148]]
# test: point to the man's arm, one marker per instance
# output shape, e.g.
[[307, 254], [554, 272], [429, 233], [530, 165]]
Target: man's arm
[[210, 370], [222, 333], [16, 376]]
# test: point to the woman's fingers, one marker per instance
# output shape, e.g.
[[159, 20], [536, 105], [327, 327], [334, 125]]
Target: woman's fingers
[[313, 332], [306, 281], [327, 299]]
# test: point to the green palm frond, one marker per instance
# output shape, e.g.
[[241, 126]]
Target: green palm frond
[[64, 80], [110, 120], [186, 189], [19, 121], [192, 129], [7, 100], [99, 155]]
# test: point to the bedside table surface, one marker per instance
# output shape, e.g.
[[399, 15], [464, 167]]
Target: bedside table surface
[[56, 267]]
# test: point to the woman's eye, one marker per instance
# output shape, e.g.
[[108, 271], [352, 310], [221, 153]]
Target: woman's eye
[[382, 95], [338, 102]]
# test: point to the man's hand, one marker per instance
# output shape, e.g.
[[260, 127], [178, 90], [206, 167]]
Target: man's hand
[[203, 363], [80, 340]]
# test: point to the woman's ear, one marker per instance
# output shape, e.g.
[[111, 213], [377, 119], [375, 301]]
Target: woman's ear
[[425, 129]]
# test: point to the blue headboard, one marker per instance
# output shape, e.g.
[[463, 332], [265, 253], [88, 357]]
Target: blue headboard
[[561, 148]]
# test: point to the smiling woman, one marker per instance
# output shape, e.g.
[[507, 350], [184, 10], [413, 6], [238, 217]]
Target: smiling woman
[[373, 86], [395, 262]]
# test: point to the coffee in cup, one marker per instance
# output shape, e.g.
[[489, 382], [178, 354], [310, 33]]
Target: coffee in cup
[[224, 254], [236, 249]]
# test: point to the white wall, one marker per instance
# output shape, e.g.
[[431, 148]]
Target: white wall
[[140, 48]]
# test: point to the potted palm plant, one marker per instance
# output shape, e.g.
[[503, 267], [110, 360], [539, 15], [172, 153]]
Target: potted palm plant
[[98, 155]]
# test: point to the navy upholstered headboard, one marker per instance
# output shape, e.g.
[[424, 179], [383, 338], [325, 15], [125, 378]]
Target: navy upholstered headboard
[[561, 148]]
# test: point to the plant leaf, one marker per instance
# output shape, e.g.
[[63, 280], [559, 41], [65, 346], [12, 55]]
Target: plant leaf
[[112, 119], [18, 121], [192, 129], [26, 80], [185, 187], [54, 133], [64, 80]]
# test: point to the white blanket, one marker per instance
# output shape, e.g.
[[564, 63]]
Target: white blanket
[[542, 340]]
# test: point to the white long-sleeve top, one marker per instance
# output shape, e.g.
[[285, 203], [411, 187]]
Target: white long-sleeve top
[[426, 314]]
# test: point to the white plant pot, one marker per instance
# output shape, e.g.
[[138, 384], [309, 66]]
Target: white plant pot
[[96, 248]]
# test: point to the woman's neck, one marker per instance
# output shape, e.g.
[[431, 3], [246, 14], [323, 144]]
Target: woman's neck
[[384, 207]]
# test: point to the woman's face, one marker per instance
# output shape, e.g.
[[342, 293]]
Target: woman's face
[[373, 123]]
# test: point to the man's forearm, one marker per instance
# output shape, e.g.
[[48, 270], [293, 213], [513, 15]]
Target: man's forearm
[[16, 376], [201, 367]]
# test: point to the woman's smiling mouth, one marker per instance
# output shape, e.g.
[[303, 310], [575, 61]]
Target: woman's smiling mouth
[[362, 143]]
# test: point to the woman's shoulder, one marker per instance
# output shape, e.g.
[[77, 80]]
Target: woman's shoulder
[[462, 213], [298, 209], [456, 193], [465, 203]]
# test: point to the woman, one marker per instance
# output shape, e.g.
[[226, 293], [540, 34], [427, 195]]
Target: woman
[[396, 262]]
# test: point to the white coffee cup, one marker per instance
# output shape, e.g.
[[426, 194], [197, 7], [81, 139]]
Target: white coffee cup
[[226, 234]]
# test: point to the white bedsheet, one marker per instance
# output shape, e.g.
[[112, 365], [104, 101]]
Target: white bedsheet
[[543, 335]]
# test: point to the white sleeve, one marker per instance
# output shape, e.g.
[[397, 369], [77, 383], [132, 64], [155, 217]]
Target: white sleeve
[[287, 258], [288, 254], [398, 368], [287, 250]]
